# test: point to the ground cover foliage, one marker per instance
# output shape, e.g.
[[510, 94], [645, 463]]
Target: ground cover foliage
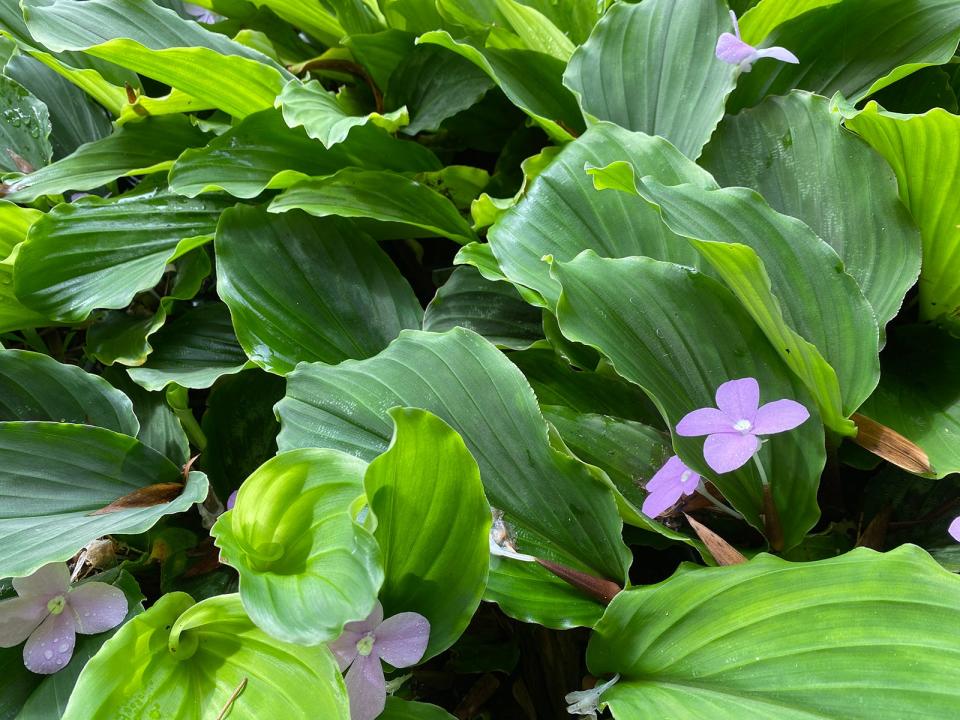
[[425, 359]]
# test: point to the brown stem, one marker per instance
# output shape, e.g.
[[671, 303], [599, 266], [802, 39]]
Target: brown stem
[[345, 66], [599, 589], [771, 520]]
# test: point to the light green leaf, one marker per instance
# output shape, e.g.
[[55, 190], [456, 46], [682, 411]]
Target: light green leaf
[[864, 636], [492, 309], [854, 47], [313, 18], [13, 315], [378, 195], [196, 658], [536, 30], [923, 150], [99, 253], [531, 80], [652, 67], [679, 335], [55, 475], [37, 387], [15, 222], [919, 393], [303, 289], [159, 44], [469, 384], [24, 128], [323, 117], [793, 151], [306, 568], [193, 351], [766, 15], [263, 153], [433, 525], [562, 212], [134, 149]]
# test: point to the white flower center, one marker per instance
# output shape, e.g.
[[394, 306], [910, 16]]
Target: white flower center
[[685, 477], [365, 645], [57, 605], [743, 426]]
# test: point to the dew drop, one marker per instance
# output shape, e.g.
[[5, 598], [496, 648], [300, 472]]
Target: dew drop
[[63, 647], [48, 654]]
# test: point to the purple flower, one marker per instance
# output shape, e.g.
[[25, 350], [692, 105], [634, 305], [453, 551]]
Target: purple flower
[[954, 529], [48, 613], [400, 640], [732, 431], [731, 49], [201, 14], [667, 486], [232, 500]]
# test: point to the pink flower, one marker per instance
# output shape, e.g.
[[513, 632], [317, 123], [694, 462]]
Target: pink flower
[[668, 485], [731, 49], [732, 430], [954, 529], [48, 613], [400, 640]]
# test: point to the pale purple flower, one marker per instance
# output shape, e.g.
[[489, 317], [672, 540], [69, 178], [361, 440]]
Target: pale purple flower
[[201, 14], [732, 430], [668, 485], [400, 640], [731, 49], [48, 613], [954, 529], [232, 500]]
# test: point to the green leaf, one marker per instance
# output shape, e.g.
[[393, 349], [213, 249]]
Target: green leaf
[[435, 84], [303, 289], [15, 222], [134, 149], [263, 153], [922, 150], [378, 195], [398, 709], [313, 18], [766, 15], [159, 44], [193, 351], [861, 636], [919, 393], [854, 47], [37, 387], [306, 568], [196, 658], [433, 525], [679, 335], [24, 128], [647, 64], [789, 149], [324, 118], [492, 309], [562, 212], [55, 475], [99, 253], [468, 383], [791, 282], [13, 315], [536, 30], [531, 80]]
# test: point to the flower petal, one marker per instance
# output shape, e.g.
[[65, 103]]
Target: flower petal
[[19, 617], [50, 647], [659, 501], [778, 53], [725, 452], [50, 580], [366, 687], [344, 648], [97, 607], [369, 623], [733, 50], [779, 416], [704, 421], [739, 399], [402, 639], [954, 529], [232, 500]]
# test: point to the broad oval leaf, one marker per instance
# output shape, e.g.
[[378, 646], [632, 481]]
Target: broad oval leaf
[[306, 289], [652, 67], [861, 636], [24, 128], [56, 476], [99, 253], [203, 658], [398, 709], [470, 385], [766, 15], [37, 387], [306, 568], [793, 151], [433, 525], [679, 334]]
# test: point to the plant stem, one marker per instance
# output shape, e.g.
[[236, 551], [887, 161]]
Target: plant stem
[[772, 527], [717, 504]]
